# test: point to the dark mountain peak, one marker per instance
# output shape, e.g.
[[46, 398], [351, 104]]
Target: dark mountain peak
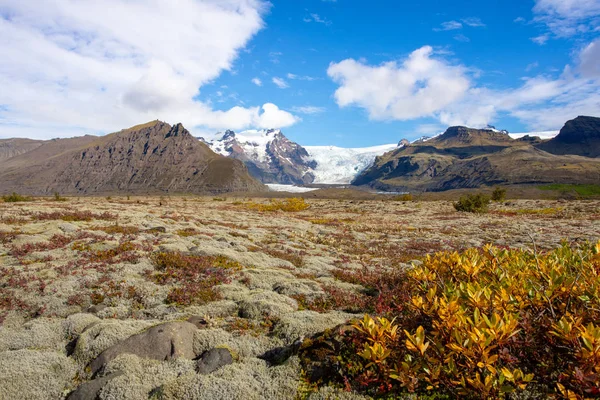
[[578, 129], [403, 143], [579, 136], [229, 134], [178, 131]]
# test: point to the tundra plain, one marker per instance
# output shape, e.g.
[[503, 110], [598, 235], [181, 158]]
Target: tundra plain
[[82, 275]]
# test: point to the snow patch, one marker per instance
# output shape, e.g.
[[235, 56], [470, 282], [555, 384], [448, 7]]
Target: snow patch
[[337, 165], [275, 187], [542, 135]]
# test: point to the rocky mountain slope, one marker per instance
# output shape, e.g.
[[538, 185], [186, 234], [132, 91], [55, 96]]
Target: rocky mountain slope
[[269, 155], [150, 158], [579, 136], [13, 147], [469, 158]]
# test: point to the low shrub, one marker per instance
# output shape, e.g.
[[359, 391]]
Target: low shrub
[[193, 277], [473, 203], [485, 324], [15, 198], [288, 205], [403, 197], [499, 194], [73, 216], [117, 229], [58, 197]]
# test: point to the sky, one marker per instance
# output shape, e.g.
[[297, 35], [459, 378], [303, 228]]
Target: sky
[[350, 73]]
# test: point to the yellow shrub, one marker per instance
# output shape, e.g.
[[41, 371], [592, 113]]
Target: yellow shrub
[[288, 205], [488, 322]]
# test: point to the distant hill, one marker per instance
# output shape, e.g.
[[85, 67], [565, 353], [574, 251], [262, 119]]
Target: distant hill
[[13, 147], [151, 158], [470, 158], [579, 136]]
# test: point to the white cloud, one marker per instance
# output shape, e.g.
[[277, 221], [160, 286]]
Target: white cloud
[[473, 22], [308, 109], [572, 9], [532, 66], [274, 56], [300, 78], [462, 38], [589, 60], [317, 18], [257, 81], [423, 86], [419, 87], [449, 26], [568, 17], [541, 40], [280, 83], [73, 67]]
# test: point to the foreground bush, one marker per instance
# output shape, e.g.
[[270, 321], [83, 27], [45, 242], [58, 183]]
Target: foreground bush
[[484, 324], [474, 203]]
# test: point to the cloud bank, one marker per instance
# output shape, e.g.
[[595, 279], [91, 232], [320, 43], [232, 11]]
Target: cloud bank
[[426, 85], [73, 67]]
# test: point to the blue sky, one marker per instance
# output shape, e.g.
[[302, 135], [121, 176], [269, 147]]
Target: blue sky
[[345, 72]]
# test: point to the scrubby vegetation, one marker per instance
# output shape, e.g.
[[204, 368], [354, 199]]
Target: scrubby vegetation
[[483, 324], [15, 198], [473, 203], [499, 194], [194, 277], [58, 197], [288, 205]]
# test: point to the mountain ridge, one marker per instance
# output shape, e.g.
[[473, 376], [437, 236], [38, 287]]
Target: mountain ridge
[[152, 157], [468, 158]]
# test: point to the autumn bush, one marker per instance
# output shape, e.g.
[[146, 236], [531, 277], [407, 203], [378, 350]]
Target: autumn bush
[[485, 324], [288, 205], [473, 203], [193, 277]]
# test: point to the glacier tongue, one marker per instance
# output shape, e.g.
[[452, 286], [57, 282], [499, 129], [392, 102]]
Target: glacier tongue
[[337, 165]]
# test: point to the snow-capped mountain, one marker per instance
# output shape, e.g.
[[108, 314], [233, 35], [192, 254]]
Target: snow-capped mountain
[[273, 158], [269, 155]]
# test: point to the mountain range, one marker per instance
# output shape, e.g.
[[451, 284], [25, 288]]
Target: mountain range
[[470, 158], [159, 158], [272, 158]]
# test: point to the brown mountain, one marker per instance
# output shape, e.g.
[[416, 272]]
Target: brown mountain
[[151, 158], [579, 136], [470, 158], [13, 147]]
